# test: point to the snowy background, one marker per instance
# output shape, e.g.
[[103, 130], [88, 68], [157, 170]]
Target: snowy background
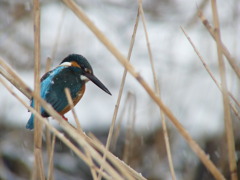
[[186, 88]]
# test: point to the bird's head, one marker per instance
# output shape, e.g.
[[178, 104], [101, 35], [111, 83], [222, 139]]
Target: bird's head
[[78, 61]]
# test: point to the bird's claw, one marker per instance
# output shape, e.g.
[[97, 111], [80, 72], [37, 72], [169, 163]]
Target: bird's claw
[[66, 119]]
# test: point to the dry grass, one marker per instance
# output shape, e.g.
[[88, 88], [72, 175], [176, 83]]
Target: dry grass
[[117, 169], [227, 115], [157, 91], [38, 165], [50, 162], [212, 76], [225, 51], [100, 160], [110, 134], [196, 148]]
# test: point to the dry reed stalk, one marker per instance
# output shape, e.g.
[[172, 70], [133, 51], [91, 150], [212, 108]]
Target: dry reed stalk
[[49, 140], [157, 90], [92, 169], [38, 171], [50, 162], [148, 45], [194, 18], [225, 51], [227, 115], [2, 166], [234, 100], [130, 128], [195, 147], [70, 102], [48, 64], [122, 167], [58, 34], [12, 80], [110, 133], [94, 147], [59, 134], [11, 76], [118, 126], [212, 76], [127, 141]]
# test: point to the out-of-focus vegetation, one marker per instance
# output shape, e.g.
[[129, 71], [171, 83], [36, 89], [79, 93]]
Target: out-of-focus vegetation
[[184, 84]]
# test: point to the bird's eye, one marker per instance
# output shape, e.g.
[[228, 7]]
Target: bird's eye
[[82, 67], [87, 70]]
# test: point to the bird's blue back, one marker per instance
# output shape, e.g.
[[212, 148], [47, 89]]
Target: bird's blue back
[[52, 89]]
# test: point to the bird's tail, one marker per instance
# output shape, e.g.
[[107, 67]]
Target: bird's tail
[[30, 123]]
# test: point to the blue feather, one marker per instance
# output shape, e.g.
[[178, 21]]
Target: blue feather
[[52, 89], [30, 123]]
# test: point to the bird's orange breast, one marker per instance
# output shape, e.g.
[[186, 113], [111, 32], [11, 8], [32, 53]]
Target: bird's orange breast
[[75, 100]]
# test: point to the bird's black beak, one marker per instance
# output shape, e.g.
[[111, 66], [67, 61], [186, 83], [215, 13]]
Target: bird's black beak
[[96, 81]]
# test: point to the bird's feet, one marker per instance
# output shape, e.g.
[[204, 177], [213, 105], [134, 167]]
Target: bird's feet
[[64, 118]]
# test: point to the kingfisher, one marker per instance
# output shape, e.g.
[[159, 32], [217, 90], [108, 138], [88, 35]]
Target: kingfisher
[[73, 73]]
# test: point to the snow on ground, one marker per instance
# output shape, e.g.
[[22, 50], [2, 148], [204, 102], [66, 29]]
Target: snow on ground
[[186, 88]]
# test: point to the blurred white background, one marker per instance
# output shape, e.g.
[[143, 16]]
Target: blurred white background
[[186, 88]]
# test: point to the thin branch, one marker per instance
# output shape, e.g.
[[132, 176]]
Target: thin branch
[[157, 90], [50, 142], [192, 21], [80, 138], [130, 128], [109, 139], [20, 85], [70, 102], [148, 46], [195, 147], [50, 164], [92, 169], [38, 163], [120, 120], [48, 64], [227, 115], [94, 148], [58, 34], [211, 74], [225, 51]]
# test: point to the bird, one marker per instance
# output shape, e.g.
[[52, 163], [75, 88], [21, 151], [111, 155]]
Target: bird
[[73, 72]]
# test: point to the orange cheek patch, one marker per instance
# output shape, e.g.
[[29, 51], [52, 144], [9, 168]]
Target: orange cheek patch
[[73, 63]]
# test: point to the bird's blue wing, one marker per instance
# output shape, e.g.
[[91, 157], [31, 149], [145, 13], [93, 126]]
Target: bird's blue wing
[[52, 90], [55, 94], [45, 85], [30, 123]]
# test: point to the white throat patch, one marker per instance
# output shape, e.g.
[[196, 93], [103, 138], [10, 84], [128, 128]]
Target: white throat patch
[[66, 64], [84, 78]]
